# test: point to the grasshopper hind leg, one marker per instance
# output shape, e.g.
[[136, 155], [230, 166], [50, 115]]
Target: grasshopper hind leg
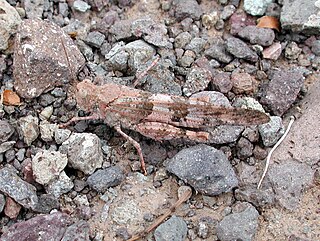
[[136, 145]]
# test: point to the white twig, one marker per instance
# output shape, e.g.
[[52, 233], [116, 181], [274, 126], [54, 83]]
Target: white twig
[[273, 149]]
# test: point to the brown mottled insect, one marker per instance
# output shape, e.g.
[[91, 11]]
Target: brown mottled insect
[[158, 116]]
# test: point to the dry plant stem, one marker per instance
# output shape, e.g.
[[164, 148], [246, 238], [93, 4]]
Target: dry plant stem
[[154, 62], [136, 145], [273, 149], [156, 223]]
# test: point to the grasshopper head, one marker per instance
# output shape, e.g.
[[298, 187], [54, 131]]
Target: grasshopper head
[[86, 95]]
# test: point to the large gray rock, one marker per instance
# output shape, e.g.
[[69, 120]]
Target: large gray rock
[[19, 190], [289, 180], [43, 227], [9, 22], [83, 151], [205, 168], [239, 225], [174, 229], [293, 19], [44, 57]]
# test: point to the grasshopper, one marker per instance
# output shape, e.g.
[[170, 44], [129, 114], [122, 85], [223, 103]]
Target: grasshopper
[[157, 116]]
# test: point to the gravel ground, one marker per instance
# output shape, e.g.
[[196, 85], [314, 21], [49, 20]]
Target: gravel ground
[[84, 181]]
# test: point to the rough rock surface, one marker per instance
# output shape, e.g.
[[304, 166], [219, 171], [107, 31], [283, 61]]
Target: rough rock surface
[[83, 151], [28, 128], [101, 180], [42, 227], [41, 61], [60, 185], [282, 90], [9, 22], [46, 165], [239, 225], [205, 168], [174, 229], [21, 191], [272, 131], [240, 49], [296, 20], [255, 35]]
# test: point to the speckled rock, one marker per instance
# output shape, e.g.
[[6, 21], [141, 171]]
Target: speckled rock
[[9, 22], [126, 212], [101, 180], [47, 131], [21, 191], [40, 61], [34, 8], [61, 135], [272, 131], [39, 228], [218, 52], [282, 90], [240, 49], [77, 231], [256, 7], [28, 128], [60, 185], [83, 151], [289, 180], [5, 146], [46, 165], [222, 82], [174, 229], [187, 9], [239, 225], [46, 203], [255, 35], [205, 168], [152, 32], [197, 80], [292, 51]]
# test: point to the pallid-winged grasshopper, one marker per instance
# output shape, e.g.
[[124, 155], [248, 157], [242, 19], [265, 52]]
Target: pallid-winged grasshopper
[[158, 116]]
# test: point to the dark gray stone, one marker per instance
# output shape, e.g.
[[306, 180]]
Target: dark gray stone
[[187, 9], [95, 39], [205, 168], [282, 90], [43, 227], [40, 59], [174, 229], [6, 131], [244, 148], [218, 52], [196, 45], [19, 190], [239, 226], [294, 19], [101, 180], [259, 198], [240, 49], [46, 203], [77, 231], [223, 134], [121, 29], [60, 185], [255, 35], [289, 180]]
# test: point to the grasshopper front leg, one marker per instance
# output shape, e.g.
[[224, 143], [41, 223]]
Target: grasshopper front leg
[[136, 145]]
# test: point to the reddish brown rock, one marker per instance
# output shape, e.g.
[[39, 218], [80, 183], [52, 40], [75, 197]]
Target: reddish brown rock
[[44, 57], [243, 83], [12, 208], [42, 227]]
